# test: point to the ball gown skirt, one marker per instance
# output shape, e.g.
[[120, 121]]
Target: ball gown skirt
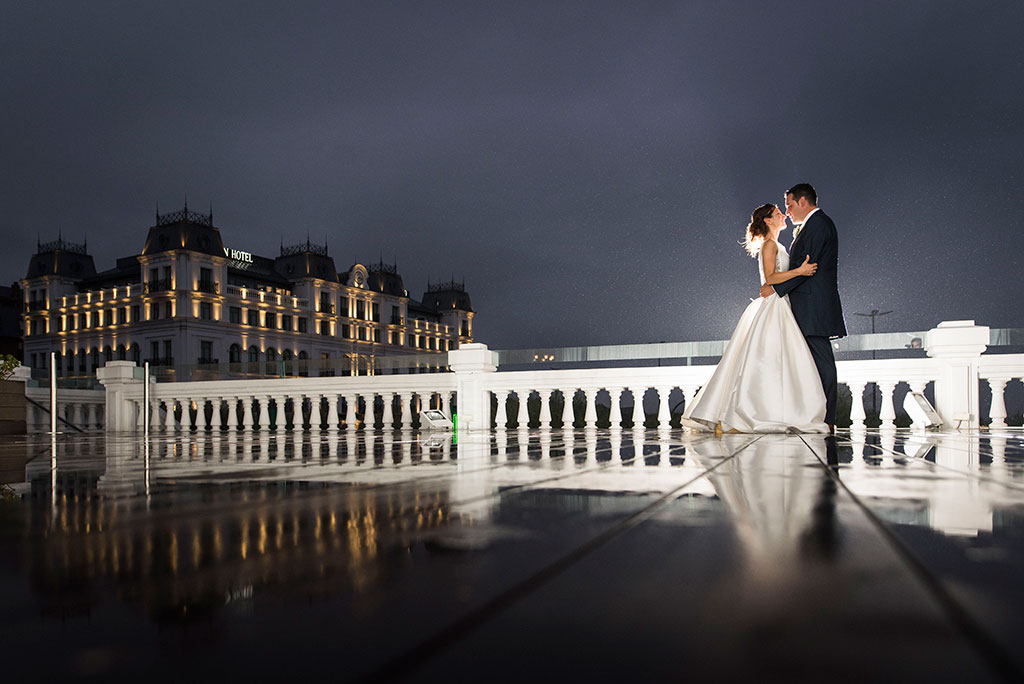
[[766, 380]]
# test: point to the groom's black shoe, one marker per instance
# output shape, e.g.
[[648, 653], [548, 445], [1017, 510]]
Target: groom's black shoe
[[831, 428]]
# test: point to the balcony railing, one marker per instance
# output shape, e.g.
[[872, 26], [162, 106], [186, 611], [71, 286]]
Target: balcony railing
[[211, 288], [38, 305], [398, 320], [166, 361], [161, 285]]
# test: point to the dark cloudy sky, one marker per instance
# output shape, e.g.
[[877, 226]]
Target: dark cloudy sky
[[587, 167]]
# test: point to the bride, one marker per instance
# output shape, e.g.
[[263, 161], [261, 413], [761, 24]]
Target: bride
[[766, 380]]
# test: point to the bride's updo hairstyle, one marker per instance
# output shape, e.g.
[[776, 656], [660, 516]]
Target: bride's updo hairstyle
[[757, 229]]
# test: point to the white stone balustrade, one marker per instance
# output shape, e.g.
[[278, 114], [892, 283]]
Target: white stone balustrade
[[261, 405]]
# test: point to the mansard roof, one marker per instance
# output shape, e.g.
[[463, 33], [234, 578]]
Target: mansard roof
[[186, 230], [447, 296], [61, 258]]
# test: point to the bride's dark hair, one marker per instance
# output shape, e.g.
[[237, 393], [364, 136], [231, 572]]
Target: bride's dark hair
[[757, 229]]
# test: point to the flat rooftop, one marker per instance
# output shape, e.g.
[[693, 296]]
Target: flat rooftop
[[519, 556]]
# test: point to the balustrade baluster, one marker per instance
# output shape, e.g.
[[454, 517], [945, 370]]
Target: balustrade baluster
[[233, 414], [247, 414], [545, 408], [169, 416], [857, 414], [997, 413], [263, 409], [615, 407], [405, 408], [590, 416], [332, 414], [664, 409], [887, 412], [522, 414], [501, 415], [201, 422], [280, 419], [216, 420], [154, 415], [350, 413]]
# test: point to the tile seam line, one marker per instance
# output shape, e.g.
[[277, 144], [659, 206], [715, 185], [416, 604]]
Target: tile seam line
[[994, 655], [426, 650]]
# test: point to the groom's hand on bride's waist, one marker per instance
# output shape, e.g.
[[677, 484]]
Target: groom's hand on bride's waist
[[767, 290]]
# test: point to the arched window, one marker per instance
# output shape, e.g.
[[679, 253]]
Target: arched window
[[254, 354], [287, 355], [303, 356], [235, 354], [108, 354], [95, 358], [136, 356], [271, 354], [122, 353]]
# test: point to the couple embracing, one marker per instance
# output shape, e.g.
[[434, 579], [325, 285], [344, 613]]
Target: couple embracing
[[778, 373]]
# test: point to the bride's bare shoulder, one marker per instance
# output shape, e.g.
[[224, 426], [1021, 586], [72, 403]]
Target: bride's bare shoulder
[[770, 248]]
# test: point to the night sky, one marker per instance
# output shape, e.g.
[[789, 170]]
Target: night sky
[[588, 168]]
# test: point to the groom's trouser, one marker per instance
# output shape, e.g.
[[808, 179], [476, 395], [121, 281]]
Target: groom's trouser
[[821, 351]]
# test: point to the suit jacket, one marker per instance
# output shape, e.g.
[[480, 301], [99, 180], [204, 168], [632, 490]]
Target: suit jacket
[[815, 299]]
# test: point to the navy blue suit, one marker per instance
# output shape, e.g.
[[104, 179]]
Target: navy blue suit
[[815, 299]]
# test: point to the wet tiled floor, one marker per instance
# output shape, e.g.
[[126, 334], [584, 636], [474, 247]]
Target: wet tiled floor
[[593, 556]]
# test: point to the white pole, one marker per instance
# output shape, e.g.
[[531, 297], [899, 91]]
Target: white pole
[[53, 393], [145, 399]]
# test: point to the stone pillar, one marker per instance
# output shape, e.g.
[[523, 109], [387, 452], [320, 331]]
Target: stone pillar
[[471, 364], [281, 420], [957, 346], [997, 414], [118, 379]]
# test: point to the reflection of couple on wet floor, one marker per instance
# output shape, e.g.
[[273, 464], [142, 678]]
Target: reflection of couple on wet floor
[[778, 373]]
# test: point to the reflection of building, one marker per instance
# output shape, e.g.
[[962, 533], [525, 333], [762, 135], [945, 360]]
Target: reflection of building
[[189, 299]]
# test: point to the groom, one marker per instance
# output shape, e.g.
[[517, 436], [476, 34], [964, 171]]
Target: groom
[[815, 299]]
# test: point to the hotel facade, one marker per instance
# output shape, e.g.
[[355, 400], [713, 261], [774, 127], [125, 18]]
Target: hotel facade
[[189, 301]]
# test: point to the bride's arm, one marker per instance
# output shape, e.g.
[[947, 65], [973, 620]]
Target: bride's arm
[[769, 252]]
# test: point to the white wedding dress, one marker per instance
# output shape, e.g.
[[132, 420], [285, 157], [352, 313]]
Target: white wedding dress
[[766, 380]]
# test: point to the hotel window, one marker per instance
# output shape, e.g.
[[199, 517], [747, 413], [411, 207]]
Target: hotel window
[[286, 323], [60, 323], [325, 302], [205, 351], [442, 345], [82, 321], [375, 312], [154, 312], [253, 354], [168, 356], [206, 280], [325, 327], [465, 329], [362, 334], [303, 324], [270, 319], [343, 303], [154, 275], [360, 309], [206, 311], [136, 313], [346, 331], [235, 315], [121, 352], [136, 354], [252, 317], [108, 354], [376, 335], [168, 310], [234, 354]]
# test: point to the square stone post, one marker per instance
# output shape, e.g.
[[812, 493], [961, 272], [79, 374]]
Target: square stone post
[[471, 363], [957, 346], [117, 377]]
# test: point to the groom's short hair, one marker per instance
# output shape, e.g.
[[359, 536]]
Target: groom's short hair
[[803, 190]]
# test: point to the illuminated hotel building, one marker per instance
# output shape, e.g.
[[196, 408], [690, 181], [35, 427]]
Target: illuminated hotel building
[[190, 300]]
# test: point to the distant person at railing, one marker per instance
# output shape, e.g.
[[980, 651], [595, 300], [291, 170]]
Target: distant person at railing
[[768, 379]]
